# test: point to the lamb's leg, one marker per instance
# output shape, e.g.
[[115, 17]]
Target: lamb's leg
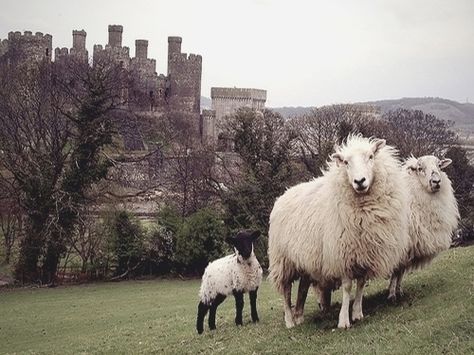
[[289, 321], [212, 313], [392, 288], [239, 306], [202, 311], [301, 299], [344, 321], [253, 305], [357, 306]]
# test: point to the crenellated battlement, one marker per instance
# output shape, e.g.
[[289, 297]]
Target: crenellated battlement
[[238, 93]]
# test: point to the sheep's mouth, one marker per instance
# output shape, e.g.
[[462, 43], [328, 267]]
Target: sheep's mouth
[[435, 188], [361, 189]]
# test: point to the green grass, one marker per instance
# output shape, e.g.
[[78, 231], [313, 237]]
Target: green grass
[[436, 316]]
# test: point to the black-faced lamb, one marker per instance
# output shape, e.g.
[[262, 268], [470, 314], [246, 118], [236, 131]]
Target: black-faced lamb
[[233, 274], [349, 224]]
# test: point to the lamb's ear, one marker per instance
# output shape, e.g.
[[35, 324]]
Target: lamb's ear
[[230, 240], [378, 145], [255, 235], [338, 158], [443, 163]]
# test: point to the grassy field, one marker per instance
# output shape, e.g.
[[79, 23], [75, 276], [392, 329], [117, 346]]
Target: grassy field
[[436, 316]]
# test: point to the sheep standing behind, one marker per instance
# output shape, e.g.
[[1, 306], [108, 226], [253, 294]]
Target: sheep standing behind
[[233, 274], [351, 223], [434, 215]]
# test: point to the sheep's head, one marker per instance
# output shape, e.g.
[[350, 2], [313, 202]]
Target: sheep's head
[[357, 157], [243, 242], [428, 171]]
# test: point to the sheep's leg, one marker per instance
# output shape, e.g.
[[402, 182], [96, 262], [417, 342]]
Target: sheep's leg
[[394, 290], [324, 294], [344, 321], [357, 306], [253, 305], [212, 313], [398, 288], [289, 321], [202, 311], [239, 306], [301, 299]]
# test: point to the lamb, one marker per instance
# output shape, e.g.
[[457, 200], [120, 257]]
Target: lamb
[[433, 218], [233, 274], [350, 224]]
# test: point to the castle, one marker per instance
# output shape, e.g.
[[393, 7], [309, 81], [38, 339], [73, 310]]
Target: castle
[[178, 90]]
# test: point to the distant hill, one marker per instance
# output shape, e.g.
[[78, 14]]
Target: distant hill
[[205, 103], [462, 114]]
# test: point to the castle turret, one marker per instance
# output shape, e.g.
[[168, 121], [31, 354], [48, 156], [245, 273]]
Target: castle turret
[[79, 44], [141, 48], [115, 35], [174, 47]]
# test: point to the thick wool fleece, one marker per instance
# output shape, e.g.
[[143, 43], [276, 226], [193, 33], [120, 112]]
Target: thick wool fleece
[[228, 274], [433, 219], [323, 228]]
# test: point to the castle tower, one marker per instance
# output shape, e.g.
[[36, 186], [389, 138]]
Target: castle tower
[[141, 48], [209, 126], [28, 47], [115, 35], [184, 78]]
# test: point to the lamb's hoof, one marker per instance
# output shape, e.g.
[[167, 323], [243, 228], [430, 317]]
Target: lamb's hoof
[[200, 331], [238, 322], [256, 320], [400, 294], [344, 324]]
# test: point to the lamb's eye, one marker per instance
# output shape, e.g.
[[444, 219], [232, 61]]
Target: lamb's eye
[[420, 169], [371, 157], [346, 162]]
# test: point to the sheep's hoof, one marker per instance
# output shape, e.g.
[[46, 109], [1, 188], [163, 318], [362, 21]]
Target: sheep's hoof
[[357, 316], [289, 322], [299, 319], [392, 298], [344, 324]]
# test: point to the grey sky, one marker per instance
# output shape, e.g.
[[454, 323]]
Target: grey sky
[[302, 52]]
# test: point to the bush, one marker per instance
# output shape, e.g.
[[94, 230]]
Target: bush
[[159, 251], [198, 238]]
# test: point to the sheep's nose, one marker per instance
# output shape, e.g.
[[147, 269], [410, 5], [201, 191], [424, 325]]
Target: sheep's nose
[[360, 181], [436, 181]]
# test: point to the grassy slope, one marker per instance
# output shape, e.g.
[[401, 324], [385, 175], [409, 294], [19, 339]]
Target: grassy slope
[[436, 316]]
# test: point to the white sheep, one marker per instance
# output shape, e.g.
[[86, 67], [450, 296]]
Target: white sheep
[[433, 217], [233, 274], [351, 223]]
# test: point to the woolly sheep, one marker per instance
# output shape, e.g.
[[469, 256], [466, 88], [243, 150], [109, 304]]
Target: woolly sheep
[[233, 274], [351, 223], [433, 217]]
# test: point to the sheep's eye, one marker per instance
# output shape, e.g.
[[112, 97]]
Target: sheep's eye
[[346, 162], [371, 157], [420, 169]]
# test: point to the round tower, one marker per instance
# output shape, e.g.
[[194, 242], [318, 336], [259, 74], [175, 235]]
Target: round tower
[[141, 48], [115, 35]]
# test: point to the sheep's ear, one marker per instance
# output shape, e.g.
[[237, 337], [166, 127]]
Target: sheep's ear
[[412, 166], [378, 145], [230, 240], [444, 163], [338, 158], [255, 235]]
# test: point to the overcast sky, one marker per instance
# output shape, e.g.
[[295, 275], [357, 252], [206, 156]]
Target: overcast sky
[[303, 52]]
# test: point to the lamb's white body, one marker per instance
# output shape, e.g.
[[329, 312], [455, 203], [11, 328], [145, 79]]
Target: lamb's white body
[[230, 273], [326, 230], [433, 216]]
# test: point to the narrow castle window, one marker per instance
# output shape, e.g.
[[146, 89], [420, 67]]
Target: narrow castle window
[[47, 52]]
